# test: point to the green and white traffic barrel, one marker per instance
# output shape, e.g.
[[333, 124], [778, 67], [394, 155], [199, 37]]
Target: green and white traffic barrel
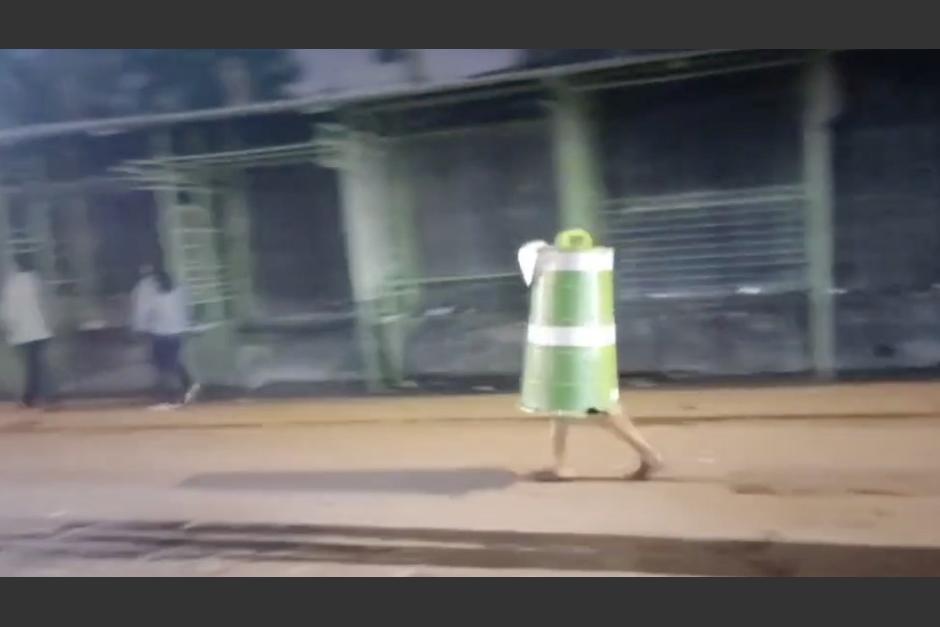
[[570, 365]]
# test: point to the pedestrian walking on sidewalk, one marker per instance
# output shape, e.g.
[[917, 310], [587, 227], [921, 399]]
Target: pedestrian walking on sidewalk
[[570, 372], [141, 298], [164, 318], [27, 321]]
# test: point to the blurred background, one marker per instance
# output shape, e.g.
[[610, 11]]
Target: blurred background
[[348, 219]]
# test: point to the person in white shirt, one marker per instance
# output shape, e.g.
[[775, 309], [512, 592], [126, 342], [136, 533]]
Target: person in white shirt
[[164, 317], [141, 296], [26, 320]]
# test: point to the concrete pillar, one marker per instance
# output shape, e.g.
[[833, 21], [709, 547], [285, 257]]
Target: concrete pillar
[[10, 370], [6, 250], [83, 256], [61, 311], [401, 178], [578, 174], [39, 219], [820, 105], [369, 236], [403, 301], [168, 218]]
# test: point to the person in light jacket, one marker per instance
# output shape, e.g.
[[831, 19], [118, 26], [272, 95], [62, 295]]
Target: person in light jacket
[[164, 317], [141, 297], [27, 323]]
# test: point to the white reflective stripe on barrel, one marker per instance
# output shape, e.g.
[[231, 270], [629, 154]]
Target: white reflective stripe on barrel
[[574, 337], [596, 260]]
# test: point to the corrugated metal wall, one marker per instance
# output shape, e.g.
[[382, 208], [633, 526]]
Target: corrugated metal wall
[[302, 329], [704, 205], [887, 215], [296, 239], [705, 211], [478, 195]]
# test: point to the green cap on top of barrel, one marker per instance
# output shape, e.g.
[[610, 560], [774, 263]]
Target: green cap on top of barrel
[[574, 239]]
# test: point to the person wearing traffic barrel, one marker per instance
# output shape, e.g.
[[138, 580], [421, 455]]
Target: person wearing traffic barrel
[[570, 369]]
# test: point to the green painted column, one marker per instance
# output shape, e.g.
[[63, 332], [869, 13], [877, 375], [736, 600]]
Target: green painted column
[[578, 174], [820, 105], [367, 230], [39, 217], [168, 218], [6, 250], [401, 302], [83, 256], [10, 370], [401, 178], [61, 310]]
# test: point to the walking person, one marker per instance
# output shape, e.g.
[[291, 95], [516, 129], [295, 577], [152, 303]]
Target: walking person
[[165, 319], [26, 319], [141, 298], [140, 301], [570, 372]]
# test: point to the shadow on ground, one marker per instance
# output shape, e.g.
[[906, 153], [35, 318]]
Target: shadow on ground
[[187, 541], [432, 481]]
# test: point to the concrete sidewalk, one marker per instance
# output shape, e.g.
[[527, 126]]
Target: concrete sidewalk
[[669, 405]]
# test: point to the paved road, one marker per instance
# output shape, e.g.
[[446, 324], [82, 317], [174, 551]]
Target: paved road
[[743, 497]]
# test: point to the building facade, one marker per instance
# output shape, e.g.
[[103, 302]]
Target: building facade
[[772, 212]]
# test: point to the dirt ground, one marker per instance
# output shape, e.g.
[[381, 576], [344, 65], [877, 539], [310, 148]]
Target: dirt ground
[[659, 405], [439, 486]]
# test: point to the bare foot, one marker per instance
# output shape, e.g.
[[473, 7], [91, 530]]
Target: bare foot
[[554, 474], [647, 467], [164, 407], [191, 393]]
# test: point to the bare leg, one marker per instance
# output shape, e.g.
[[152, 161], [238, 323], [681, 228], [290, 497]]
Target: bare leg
[[624, 430], [559, 445], [559, 437]]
